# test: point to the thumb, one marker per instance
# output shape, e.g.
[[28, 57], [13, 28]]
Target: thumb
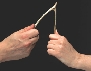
[[56, 32]]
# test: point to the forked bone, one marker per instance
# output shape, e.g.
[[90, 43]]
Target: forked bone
[[52, 8]]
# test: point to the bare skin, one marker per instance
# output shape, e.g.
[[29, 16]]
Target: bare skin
[[19, 44], [59, 47]]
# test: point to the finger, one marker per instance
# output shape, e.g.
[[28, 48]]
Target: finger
[[56, 32], [34, 40], [53, 42], [29, 27], [30, 34], [31, 42], [52, 46], [32, 26], [51, 52], [54, 36]]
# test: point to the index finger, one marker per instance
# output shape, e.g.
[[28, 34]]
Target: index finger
[[32, 26]]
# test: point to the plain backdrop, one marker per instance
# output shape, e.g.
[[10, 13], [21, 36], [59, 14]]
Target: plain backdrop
[[73, 22]]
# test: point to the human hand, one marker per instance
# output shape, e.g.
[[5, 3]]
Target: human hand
[[59, 47], [19, 44]]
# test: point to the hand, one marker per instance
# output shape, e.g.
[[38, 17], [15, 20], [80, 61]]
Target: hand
[[59, 47], [19, 44]]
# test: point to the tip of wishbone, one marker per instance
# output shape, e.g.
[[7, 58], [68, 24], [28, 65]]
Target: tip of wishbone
[[54, 5], [52, 8]]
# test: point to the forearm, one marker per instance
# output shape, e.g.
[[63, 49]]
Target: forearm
[[0, 52], [2, 46], [84, 62], [0, 59]]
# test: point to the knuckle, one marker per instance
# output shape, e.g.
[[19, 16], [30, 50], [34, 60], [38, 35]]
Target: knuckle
[[52, 53], [47, 46], [63, 40], [48, 42], [49, 51], [50, 35], [36, 41], [37, 37], [60, 47]]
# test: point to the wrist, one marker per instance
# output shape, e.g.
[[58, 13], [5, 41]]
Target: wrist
[[0, 58], [2, 46], [0, 52], [77, 61], [85, 62], [80, 61]]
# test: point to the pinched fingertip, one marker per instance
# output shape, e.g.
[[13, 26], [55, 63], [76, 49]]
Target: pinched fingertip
[[56, 32], [29, 27], [32, 26]]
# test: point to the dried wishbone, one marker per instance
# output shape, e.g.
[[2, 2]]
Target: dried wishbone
[[55, 20], [52, 8]]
